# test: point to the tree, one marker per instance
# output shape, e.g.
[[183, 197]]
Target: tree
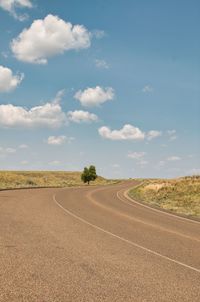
[[89, 174]]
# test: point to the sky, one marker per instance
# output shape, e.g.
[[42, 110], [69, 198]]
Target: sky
[[114, 83]]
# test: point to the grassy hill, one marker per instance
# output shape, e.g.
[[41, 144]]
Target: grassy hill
[[180, 195], [23, 179]]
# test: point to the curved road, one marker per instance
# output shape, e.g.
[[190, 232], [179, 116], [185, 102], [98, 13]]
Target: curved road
[[94, 244]]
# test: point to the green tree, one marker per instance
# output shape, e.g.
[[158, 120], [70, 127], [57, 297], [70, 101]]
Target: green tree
[[89, 174]]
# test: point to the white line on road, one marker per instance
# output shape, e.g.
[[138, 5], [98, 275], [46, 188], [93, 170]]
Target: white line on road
[[125, 240]]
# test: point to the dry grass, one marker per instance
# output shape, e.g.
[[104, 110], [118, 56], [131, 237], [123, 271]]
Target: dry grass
[[180, 195], [26, 179]]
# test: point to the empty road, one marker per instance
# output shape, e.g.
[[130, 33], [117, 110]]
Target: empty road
[[94, 244]]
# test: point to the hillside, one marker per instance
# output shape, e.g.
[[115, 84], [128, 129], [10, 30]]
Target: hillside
[[180, 195]]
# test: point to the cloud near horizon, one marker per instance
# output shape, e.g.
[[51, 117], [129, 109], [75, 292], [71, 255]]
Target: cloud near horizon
[[49, 37]]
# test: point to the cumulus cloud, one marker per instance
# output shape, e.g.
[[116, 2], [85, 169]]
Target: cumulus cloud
[[79, 116], [173, 158], [94, 96], [8, 81], [11, 5], [101, 64], [48, 37], [47, 115], [153, 134], [128, 132], [136, 155]]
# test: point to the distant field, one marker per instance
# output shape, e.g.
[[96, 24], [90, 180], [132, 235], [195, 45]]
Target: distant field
[[180, 195], [12, 179]]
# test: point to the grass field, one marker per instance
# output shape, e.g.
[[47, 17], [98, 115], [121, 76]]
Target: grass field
[[180, 195], [25, 179]]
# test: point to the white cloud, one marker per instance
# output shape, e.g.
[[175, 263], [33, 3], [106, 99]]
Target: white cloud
[[6, 151], [171, 132], [47, 115], [115, 166], [173, 158], [147, 89], [153, 134], [8, 81], [101, 64], [79, 116], [23, 146], [48, 37], [136, 155], [56, 140], [161, 163], [54, 163], [59, 96], [142, 163], [10, 150], [24, 162], [128, 132], [11, 5], [94, 96]]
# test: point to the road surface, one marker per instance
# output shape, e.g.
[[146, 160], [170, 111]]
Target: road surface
[[93, 244]]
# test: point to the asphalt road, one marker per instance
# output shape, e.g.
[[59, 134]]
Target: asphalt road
[[94, 244]]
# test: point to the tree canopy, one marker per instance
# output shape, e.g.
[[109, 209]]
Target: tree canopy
[[89, 174]]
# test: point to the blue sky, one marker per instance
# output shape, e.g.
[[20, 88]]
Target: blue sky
[[121, 91]]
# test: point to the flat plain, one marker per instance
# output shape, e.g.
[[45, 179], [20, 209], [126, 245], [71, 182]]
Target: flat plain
[[30, 179]]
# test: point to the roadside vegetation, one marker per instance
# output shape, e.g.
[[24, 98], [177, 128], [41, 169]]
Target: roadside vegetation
[[26, 179], [180, 195]]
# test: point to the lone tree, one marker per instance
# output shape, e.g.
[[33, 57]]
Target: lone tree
[[89, 174]]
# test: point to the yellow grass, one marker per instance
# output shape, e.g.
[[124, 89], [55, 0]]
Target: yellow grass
[[180, 195], [25, 179]]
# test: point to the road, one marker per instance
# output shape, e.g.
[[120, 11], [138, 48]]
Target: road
[[94, 244]]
